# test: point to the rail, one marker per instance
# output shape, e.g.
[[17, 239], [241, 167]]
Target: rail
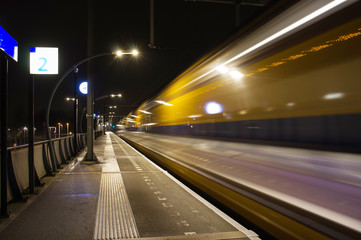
[[18, 169]]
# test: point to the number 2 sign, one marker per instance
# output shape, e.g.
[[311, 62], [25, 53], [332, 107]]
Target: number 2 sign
[[43, 60]]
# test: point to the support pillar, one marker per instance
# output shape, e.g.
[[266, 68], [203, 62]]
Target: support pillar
[[4, 135]]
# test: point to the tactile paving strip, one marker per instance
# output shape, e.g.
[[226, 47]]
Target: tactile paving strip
[[115, 219]]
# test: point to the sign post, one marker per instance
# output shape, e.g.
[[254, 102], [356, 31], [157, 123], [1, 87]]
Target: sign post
[[8, 48], [43, 60]]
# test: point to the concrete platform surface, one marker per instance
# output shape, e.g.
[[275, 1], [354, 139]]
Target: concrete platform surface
[[124, 195]]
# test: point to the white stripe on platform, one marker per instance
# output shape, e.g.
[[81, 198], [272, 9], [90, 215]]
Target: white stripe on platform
[[114, 219]]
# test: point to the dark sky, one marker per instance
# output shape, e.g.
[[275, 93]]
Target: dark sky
[[184, 31]]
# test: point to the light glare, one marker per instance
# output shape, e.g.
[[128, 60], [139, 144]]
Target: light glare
[[333, 96], [222, 69], [213, 108], [195, 116], [135, 52], [278, 34], [236, 74], [143, 111], [164, 103]]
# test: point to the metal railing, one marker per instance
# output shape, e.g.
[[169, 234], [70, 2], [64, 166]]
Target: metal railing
[[18, 169]]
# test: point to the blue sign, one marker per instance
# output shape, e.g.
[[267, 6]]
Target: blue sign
[[8, 44], [83, 87]]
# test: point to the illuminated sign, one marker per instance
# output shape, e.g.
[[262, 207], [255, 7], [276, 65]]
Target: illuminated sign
[[83, 87], [8, 44], [43, 60]]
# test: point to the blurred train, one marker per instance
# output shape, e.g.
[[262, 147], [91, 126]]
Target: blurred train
[[291, 77]]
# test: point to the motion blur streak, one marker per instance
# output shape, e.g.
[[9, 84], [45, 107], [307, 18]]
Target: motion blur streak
[[278, 34], [300, 87]]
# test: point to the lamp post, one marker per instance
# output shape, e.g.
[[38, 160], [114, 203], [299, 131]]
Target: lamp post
[[65, 74], [25, 128], [59, 125]]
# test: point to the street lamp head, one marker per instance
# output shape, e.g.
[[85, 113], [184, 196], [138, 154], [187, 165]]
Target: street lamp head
[[115, 95], [119, 53], [135, 52]]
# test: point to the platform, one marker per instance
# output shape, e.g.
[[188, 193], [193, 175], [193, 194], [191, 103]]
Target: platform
[[122, 196]]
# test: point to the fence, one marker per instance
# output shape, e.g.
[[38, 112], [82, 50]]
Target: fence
[[18, 169]]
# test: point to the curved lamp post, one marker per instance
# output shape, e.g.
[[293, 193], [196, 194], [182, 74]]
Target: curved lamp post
[[65, 74], [96, 99]]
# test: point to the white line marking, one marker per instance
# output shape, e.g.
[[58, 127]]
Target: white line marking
[[228, 219]]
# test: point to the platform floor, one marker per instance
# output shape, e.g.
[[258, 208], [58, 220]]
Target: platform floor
[[123, 196]]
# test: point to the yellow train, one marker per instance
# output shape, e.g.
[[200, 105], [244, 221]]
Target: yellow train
[[295, 78]]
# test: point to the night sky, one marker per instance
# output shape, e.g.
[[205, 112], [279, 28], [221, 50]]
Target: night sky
[[184, 31]]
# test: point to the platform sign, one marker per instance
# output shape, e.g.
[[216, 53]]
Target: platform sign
[[8, 44], [43, 60]]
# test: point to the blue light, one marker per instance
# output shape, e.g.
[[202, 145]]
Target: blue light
[[95, 115], [8, 44], [213, 108]]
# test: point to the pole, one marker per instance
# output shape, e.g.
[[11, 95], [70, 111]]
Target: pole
[[65, 74], [31, 136], [238, 14], [90, 76], [75, 111], [151, 44], [4, 132]]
